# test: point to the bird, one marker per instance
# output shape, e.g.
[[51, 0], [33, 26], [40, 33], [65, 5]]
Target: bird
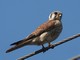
[[45, 33]]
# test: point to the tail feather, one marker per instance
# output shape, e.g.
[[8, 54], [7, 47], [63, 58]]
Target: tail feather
[[18, 42], [13, 48], [19, 45]]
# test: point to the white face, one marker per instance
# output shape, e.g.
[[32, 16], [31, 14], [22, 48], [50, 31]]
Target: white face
[[55, 15], [52, 16]]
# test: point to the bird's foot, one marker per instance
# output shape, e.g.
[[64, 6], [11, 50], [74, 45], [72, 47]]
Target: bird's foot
[[43, 48], [51, 46]]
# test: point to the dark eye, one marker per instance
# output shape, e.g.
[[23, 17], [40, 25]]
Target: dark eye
[[55, 13]]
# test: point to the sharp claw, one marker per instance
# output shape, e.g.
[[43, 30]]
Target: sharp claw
[[43, 48], [51, 46]]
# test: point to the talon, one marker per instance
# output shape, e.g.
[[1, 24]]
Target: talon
[[51, 46], [43, 48]]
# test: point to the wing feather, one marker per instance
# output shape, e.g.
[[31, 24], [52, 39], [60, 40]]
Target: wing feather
[[42, 28], [50, 24], [47, 26]]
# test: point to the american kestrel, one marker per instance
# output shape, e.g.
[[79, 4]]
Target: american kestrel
[[45, 33]]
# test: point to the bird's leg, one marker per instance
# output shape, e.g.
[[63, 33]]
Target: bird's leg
[[50, 45], [43, 46], [44, 50]]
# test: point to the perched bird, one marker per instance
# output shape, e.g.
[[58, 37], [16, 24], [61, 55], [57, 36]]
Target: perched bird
[[45, 33]]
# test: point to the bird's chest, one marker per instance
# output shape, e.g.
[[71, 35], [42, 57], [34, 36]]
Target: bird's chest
[[54, 33], [50, 35]]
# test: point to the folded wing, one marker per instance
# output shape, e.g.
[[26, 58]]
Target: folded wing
[[50, 24]]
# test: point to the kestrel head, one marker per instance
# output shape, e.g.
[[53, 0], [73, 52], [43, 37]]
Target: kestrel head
[[56, 15]]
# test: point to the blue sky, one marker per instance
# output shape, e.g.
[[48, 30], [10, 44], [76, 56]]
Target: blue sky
[[18, 18]]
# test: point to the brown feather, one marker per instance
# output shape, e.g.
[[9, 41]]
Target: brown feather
[[47, 26], [18, 46], [50, 24]]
